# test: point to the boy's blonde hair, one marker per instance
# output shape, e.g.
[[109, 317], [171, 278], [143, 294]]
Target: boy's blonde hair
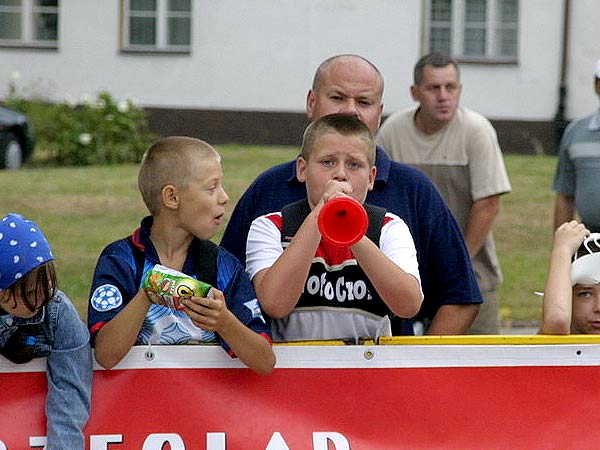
[[343, 124], [171, 160]]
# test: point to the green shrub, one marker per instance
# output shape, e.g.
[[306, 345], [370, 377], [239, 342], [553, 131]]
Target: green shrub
[[101, 131]]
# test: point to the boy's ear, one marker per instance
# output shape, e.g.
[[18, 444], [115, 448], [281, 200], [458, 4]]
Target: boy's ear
[[300, 169], [170, 196], [372, 174]]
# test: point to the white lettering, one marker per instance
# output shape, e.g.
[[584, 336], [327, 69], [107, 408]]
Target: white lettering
[[350, 290], [340, 293], [329, 291], [320, 441], [277, 443], [157, 441], [312, 285], [101, 441], [36, 442], [215, 441], [2, 446], [343, 290], [323, 280], [360, 289]]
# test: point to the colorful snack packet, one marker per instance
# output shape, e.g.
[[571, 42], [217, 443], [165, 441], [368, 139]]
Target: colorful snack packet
[[166, 287]]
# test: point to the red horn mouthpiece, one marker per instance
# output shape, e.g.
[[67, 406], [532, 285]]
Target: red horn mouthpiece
[[343, 221]]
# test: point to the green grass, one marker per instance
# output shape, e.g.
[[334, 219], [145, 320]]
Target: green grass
[[81, 209], [523, 235]]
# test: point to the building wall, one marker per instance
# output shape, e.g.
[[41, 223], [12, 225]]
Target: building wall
[[260, 56], [525, 91], [257, 55], [584, 51]]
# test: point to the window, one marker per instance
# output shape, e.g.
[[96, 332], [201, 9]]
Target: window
[[476, 30], [29, 23], [157, 25]]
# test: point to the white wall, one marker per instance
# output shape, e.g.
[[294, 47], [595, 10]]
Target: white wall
[[528, 90], [584, 51], [261, 55], [258, 55]]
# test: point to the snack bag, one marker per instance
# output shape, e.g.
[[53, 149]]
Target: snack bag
[[166, 287]]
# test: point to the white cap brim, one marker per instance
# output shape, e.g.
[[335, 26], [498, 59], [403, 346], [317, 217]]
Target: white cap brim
[[586, 270]]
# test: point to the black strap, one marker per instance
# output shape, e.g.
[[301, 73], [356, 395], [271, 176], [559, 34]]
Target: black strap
[[376, 216], [293, 215], [205, 263]]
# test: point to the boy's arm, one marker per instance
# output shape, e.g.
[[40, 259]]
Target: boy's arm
[[212, 314], [118, 335], [400, 290], [279, 287], [117, 307], [558, 292]]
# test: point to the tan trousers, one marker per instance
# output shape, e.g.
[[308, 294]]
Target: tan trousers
[[488, 318]]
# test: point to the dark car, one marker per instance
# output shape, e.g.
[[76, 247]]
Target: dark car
[[16, 139]]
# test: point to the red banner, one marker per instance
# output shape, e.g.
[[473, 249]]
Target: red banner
[[329, 398]]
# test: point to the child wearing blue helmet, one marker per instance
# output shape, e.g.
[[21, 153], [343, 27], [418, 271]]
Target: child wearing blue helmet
[[38, 320]]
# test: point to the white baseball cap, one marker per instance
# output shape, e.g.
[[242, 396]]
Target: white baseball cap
[[585, 269], [597, 70]]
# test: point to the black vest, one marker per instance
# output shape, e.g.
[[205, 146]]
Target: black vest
[[348, 287]]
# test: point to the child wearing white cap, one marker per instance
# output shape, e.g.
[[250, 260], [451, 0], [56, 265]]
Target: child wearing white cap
[[572, 292], [38, 320]]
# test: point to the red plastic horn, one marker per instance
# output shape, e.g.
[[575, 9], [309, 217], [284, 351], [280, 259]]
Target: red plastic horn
[[343, 221]]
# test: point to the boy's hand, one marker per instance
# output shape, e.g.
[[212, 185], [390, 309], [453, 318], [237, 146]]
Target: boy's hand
[[143, 297], [210, 314], [335, 188], [569, 236]]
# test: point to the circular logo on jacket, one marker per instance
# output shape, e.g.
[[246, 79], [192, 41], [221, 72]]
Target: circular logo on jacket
[[106, 297]]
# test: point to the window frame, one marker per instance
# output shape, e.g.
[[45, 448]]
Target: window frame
[[162, 15], [27, 10], [458, 26]]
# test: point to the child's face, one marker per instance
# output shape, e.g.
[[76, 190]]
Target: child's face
[[336, 159], [15, 306], [586, 309], [202, 202]]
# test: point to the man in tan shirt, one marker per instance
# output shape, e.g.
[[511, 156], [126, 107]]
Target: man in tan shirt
[[458, 149]]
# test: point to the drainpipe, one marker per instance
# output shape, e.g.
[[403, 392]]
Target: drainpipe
[[560, 123]]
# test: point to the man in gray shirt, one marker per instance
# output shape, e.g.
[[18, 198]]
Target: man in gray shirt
[[578, 169]]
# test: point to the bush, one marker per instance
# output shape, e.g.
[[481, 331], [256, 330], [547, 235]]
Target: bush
[[101, 131]]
